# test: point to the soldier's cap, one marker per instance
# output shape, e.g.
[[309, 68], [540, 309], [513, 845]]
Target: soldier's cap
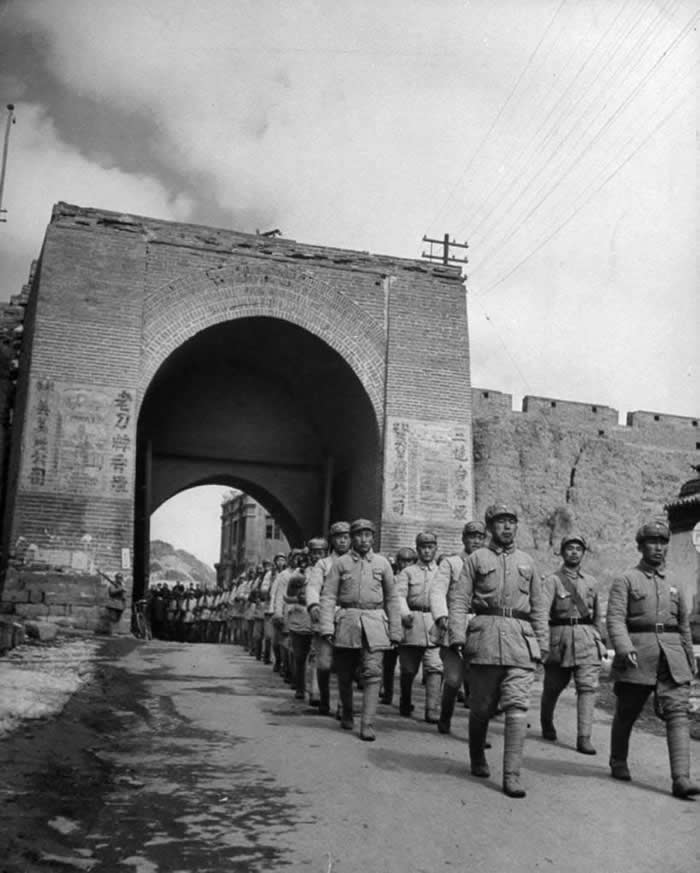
[[474, 527], [362, 524], [498, 509], [426, 538], [339, 527], [406, 554], [317, 543], [653, 529], [280, 555], [266, 563], [572, 538]]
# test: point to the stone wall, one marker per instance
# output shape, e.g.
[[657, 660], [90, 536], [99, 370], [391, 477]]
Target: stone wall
[[570, 465]]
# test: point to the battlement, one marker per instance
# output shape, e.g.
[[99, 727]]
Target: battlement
[[643, 419], [672, 431]]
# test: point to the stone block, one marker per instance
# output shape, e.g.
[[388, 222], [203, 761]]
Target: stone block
[[36, 595], [41, 630], [32, 611], [86, 616], [58, 609]]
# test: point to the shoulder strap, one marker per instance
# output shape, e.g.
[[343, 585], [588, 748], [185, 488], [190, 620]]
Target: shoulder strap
[[575, 596]]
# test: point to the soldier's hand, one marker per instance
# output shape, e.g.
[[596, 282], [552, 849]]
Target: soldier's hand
[[457, 648], [631, 659], [315, 612], [407, 620], [395, 644], [328, 638], [442, 623]]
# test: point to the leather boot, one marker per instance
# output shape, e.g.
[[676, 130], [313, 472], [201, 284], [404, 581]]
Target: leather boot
[[585, 704], [447, 708], [619, 747], [477, 737], [513, 744], [323, 677], [370, 699], [388, 681], [550, 695], [347, 721], [678, 741], [405, 705], [433, 682]]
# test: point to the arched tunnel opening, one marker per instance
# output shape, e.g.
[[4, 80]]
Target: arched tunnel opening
[[266, 407]]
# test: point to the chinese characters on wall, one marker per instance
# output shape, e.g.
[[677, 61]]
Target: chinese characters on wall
[[80, 440], [427, 471]]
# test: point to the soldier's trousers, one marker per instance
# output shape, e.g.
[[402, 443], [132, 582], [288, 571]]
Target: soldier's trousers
[[493, 687]]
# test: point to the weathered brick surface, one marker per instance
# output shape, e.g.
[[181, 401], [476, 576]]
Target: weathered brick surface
[[117, 296]]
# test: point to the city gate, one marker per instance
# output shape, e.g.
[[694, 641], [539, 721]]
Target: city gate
[[157, 356]]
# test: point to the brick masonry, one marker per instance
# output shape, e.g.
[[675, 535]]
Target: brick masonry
[[116, 296]]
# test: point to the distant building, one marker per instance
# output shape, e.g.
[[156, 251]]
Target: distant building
[[249, 535]]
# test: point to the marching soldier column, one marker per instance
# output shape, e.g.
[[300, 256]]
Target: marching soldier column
[[483, 618]]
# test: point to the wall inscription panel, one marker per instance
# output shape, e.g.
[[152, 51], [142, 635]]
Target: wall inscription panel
[[79, 440], [427, 471]]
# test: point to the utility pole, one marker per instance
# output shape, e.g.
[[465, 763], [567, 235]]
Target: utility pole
[[10, 122], [445, 257]]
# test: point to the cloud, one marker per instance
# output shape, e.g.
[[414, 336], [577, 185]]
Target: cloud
[[43, 170]]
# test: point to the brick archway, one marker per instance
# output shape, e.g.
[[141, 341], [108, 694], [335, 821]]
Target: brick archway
[[189, 304]]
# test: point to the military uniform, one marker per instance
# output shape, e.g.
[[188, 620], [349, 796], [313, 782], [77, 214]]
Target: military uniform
[[418, 646], [575, 646], [505, 640], [322, 649], [299, 624], [367, 622], [649, 629]]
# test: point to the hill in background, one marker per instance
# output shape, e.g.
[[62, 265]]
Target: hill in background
[[168, 564]]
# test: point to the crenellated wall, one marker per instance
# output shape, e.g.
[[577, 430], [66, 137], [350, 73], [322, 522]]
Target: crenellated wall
[[571, 465]]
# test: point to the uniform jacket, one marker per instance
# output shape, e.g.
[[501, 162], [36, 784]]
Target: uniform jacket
[[279, 607], [573, 644], [315, 579], [363, 588], [448, 574], [413, 586], [265, 590], [298, 618], [646, 595], [498, 577]]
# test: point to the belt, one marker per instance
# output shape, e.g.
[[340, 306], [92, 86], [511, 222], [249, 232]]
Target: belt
[[506, 612], [564, 622], [659, 628], [364, 607], [419, 608]]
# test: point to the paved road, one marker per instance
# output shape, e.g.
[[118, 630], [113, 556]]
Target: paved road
[[196, 758]]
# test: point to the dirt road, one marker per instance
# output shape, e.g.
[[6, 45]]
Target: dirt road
[[196, 758]]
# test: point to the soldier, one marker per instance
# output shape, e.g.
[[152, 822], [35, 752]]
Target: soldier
[[404, 557], [505, 639], [418, 646], [339, 536], [279, 616], [298, 619], [649, 629], [454, 668], [259, 611], [279, 562], [575, 642], [361, 583]]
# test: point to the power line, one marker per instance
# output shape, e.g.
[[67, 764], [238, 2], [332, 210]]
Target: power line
[[498, 115], [580, 154], [555, 126], [575, 212]]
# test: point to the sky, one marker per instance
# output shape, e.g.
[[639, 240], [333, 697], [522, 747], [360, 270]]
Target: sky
[[556, 137]]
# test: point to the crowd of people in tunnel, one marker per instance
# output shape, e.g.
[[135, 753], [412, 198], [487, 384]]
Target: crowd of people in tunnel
[[477, 625]]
